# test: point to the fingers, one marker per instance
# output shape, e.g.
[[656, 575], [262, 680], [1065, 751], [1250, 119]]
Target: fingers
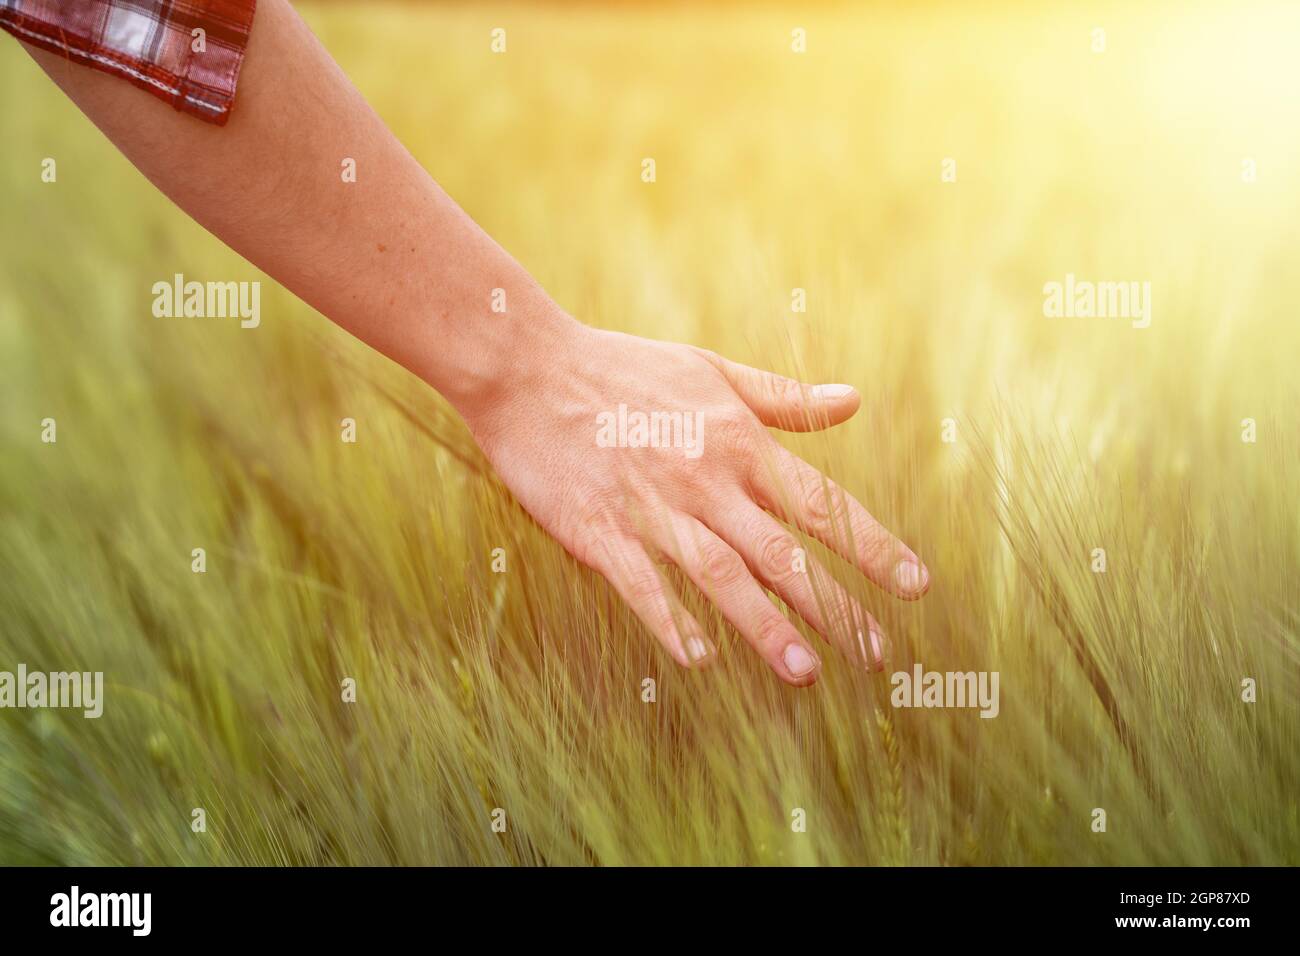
[[774, 557], [800, 495], [785, 403], [635, 576], [722, 575]]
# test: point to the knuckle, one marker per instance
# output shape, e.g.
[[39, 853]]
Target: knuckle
[[593, 545], [784, 390], [776, 555], [584, 546], [720, 565], [772, 629], [818, 502], [644, 587], [591, 527]]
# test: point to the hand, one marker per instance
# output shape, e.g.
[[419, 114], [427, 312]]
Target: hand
[[704, 493], [392, 259]]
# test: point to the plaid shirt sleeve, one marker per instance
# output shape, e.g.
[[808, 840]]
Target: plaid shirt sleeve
[[155, 44]]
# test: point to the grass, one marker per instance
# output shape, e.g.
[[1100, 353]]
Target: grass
[[523, 690]]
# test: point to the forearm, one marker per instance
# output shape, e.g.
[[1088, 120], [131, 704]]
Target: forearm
[[390, 256]]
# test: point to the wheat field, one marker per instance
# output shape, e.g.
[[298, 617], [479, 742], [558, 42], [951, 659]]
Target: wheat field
[[1005, 445]]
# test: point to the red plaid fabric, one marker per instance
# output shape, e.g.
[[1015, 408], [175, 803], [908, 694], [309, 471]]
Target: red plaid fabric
[[154, 44]]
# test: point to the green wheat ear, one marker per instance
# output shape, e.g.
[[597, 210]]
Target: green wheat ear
[[895, 813]]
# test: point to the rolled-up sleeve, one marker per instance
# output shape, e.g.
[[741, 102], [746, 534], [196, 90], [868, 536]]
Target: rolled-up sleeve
[[188, 54]]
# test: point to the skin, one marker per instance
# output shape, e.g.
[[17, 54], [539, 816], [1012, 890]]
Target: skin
[[391, 258]]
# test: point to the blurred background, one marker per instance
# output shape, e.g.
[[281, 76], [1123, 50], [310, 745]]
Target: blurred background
[[921, 171]]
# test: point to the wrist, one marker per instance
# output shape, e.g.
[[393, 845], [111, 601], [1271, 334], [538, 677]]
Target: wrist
[[504, 359]]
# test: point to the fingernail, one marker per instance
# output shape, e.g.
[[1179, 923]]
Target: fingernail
[[911, 577], [696, 649], [797, 660], [878, 648], [830, 393]]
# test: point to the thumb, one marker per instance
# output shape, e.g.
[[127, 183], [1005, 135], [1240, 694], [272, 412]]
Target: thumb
[[786, 403]]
